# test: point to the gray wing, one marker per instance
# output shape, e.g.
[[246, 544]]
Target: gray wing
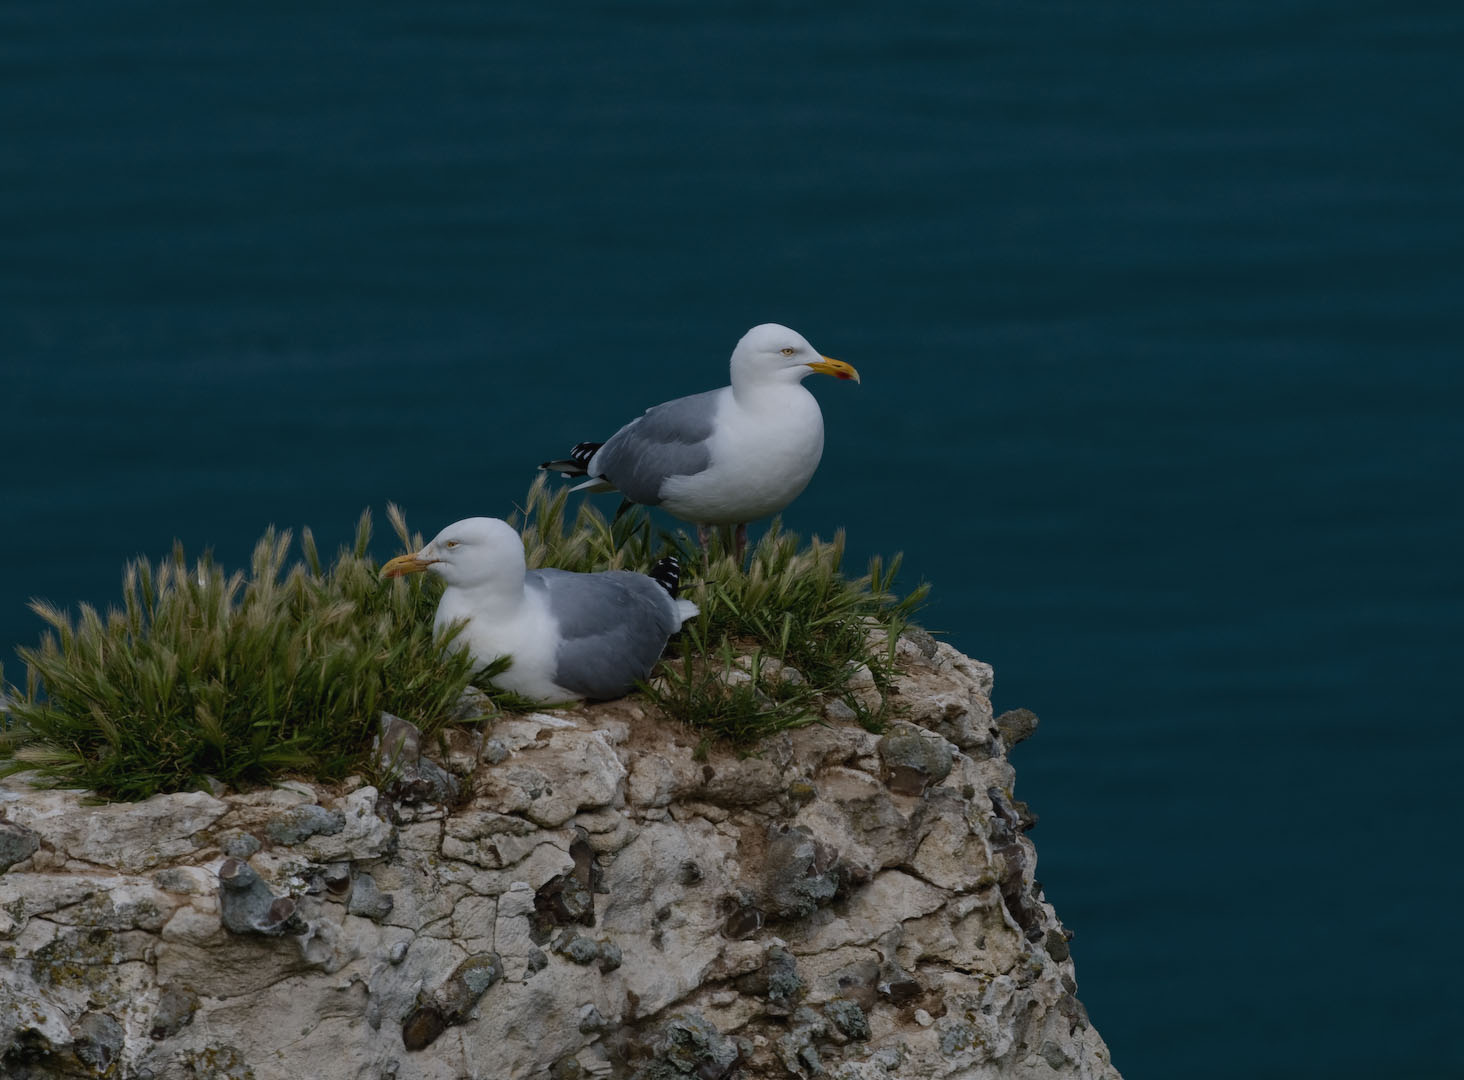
[[669, 440], [613, 627]]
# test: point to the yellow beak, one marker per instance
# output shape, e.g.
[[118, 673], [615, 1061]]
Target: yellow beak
[[837, 368], [406, 564]]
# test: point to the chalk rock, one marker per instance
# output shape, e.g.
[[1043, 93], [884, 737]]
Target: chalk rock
[[582, 896], [132, 837]]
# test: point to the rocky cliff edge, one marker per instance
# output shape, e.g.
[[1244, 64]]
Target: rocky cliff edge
[[567, 895]]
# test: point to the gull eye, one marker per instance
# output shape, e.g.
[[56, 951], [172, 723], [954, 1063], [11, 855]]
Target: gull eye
[[452, 543], [788, 350]]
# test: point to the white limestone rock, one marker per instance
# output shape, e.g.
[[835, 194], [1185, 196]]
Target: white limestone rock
[[132, 837], [552, 778], [829, 903]]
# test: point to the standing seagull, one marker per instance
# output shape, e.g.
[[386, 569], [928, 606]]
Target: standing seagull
[[723, 457], [569, 635]]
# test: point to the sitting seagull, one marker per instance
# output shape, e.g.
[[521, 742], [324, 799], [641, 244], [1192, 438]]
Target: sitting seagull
[[723, 457], [569, 635]]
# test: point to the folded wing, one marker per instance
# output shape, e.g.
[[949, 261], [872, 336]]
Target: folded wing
[[613, 627], [672, 439]]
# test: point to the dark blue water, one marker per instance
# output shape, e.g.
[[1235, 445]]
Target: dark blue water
[[1158, 312]]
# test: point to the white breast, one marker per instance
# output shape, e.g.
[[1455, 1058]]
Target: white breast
[[524, 632], [763, 453]]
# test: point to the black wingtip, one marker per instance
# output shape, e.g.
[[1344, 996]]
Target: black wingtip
[[667, 574], [578, 462]]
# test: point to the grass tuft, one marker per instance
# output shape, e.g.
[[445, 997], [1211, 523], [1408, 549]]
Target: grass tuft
[[242, 677]]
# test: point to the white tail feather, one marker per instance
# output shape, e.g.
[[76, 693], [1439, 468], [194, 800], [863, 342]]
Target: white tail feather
[[593, 484]]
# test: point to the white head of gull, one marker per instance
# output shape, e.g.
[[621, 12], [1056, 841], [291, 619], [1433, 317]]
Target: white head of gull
[[568, 635]]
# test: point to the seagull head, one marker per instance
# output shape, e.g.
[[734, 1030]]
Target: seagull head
[[468, 553], [774, 353]]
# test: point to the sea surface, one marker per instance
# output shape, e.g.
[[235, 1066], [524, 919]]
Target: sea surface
[[1158, 312]]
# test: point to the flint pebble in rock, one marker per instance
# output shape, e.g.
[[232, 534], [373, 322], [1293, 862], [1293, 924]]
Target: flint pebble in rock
[[17, 843], [689, 1045], [913, 760], [468, 982], [452, 1002], [367, 900], [247, 906], [302, 822], [415, 778], [848, 1017], [1016, 725], [802, 873], [99, 1041], [176, 1006], [784, 988], [241, 845]]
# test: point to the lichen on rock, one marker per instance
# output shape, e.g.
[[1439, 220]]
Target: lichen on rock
[[801, 873], [689, 1046]]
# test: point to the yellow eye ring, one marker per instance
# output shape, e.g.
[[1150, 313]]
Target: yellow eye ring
[[789, 351]]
